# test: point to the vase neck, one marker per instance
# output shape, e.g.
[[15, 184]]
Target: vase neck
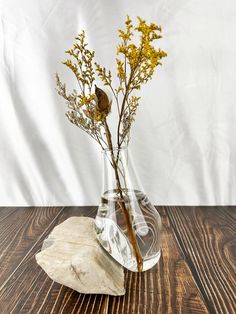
[[118, 170]]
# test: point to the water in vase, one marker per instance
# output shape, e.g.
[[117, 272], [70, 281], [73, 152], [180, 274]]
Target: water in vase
[[112, 232]]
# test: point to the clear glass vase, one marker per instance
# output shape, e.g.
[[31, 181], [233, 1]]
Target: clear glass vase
[[128, 226]]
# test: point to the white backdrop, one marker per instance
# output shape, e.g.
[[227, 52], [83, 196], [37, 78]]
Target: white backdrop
[[184, 138]]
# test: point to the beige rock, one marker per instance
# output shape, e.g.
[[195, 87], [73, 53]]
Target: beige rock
[[72, 257]]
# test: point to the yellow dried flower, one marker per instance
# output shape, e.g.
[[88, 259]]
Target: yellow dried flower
[[137, 59]]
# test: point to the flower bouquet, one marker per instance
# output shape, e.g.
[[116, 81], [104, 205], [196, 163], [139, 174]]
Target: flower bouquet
[[128, 226]]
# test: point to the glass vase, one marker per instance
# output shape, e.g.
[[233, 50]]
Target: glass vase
[[128, 226]]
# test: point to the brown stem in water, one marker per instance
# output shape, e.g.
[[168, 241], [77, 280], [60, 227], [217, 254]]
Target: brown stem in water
[[130, 230]]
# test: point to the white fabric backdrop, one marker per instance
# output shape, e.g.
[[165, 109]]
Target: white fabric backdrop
[[183, 140]]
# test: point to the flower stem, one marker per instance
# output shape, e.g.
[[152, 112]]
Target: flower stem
[[130, 230]]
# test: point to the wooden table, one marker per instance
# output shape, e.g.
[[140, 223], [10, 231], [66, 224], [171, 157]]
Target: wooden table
[[196, 272]]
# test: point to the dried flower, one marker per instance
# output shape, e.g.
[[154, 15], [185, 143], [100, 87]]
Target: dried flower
[[136, 61]]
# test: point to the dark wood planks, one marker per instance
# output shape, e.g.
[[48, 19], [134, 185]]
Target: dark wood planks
[[19, 230], [181, 283], [207, 236]]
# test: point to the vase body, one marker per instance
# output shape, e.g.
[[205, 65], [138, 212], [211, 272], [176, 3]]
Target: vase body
[[128, 226]]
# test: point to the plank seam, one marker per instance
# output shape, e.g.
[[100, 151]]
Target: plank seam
[[190, 264]]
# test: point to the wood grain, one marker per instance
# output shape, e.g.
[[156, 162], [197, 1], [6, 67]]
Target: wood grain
[[196, 272], [229, 210], [207, 239], [6, 212], [18, 233]]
